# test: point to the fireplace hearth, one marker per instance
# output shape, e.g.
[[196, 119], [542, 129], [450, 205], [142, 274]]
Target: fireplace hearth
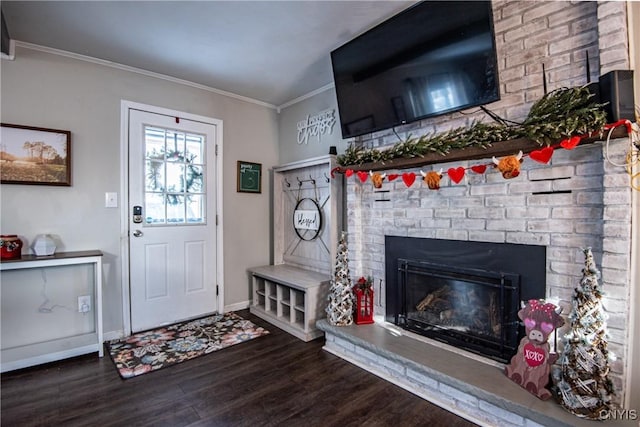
[[465, 294]]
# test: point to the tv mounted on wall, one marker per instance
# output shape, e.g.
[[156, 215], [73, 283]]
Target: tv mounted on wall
[[433, 58]]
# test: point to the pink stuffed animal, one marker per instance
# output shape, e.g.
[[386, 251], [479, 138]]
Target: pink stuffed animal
[[530, 366]]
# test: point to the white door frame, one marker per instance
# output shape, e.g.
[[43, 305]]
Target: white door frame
[[125, 106]]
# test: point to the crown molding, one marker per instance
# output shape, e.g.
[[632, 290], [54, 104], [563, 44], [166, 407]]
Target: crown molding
[[141, 71], [306, 96]]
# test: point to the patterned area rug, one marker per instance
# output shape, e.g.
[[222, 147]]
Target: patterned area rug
[[151, 350]]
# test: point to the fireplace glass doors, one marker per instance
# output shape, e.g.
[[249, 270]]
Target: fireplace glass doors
[[470, 308], [464, 293]]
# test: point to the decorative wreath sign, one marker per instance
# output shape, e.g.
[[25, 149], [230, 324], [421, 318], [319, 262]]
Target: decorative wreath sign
[[307, 219]]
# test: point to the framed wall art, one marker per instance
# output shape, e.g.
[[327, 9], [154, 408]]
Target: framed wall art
[[249, 177], [31, 155]]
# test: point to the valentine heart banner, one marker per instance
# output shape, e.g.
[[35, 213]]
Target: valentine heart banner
[[508, 166]]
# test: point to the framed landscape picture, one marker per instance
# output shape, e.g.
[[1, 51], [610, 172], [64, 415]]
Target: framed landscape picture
[[249, 177], [31, 155]]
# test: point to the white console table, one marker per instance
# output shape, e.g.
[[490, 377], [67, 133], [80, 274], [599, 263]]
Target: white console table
[[37, 353]]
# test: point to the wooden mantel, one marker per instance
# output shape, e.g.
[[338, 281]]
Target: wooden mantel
[[498, 149]]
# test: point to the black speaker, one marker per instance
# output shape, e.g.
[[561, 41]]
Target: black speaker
[[616, 88]]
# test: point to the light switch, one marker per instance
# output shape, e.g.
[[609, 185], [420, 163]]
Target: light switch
[[110, 200]]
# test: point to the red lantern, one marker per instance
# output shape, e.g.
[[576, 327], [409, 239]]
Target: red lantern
[[363, 291]]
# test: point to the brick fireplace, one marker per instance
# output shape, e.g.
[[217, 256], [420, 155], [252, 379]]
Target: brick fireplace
[[577, 200], [580, 199]]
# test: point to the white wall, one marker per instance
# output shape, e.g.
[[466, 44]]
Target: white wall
[[52, 91]]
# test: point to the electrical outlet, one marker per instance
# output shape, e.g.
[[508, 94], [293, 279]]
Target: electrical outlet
[[84, 303]]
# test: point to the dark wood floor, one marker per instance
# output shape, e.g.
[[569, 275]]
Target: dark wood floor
[[275, 380]]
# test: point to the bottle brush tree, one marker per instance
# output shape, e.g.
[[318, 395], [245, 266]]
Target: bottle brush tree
[[340, 307], [582, 380]]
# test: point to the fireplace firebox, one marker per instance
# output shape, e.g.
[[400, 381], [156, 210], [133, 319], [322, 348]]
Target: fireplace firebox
[[465, 294], [470, 308]]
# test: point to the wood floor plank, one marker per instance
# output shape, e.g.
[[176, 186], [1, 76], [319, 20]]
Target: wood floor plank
[[274, 380]]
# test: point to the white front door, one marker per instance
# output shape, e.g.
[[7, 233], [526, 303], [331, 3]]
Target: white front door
[[172, 219]]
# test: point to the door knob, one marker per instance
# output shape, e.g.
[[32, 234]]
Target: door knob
[[137, 233]]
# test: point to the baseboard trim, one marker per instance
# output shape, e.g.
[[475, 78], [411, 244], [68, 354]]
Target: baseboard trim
[[113, 335], [237, 306]]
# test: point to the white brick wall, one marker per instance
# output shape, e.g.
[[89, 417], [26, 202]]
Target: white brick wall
[[614, 40], [584, 200], [592, 209]]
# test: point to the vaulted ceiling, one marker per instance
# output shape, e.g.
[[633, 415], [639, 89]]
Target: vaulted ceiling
[[270, 51]]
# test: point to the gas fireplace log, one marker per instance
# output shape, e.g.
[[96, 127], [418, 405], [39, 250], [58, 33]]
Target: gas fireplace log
[[430, 299], [494, 318], [447, 314]]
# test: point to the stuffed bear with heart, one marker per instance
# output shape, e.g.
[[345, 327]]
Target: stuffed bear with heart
[[530, 366]]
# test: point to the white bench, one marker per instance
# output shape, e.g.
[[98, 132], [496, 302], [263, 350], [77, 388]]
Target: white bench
[[291, 298]]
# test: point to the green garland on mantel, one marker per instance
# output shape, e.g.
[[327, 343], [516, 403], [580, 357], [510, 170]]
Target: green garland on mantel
[[559, 114]]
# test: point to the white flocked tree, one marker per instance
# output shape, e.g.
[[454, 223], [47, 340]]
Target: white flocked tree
[[582, 380], [340, 307]]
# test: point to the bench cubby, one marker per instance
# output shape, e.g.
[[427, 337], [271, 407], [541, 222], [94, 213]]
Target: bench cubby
[[289, 297]]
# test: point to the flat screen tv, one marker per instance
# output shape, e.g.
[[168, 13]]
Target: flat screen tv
[[433, 58]]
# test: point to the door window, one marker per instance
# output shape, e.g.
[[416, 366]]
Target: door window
[[175, 168]]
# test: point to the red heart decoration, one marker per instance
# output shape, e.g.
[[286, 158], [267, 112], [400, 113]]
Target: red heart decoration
[[534, 356], [363, 176], [456, 174], [348, 173], [409, 178], [571, 143], [479, 168], [543, 155], [392, 176]]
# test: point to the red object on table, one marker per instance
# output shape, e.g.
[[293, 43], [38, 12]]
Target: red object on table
[[10, 246]]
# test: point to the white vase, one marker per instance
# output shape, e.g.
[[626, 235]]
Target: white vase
[[44, 245]]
